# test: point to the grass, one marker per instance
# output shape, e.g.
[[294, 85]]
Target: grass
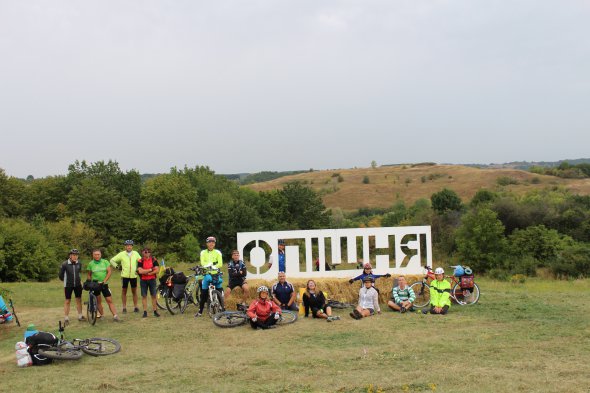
[[392, 183], [520, 337]]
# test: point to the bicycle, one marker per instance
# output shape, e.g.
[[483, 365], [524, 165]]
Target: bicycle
[[179, 305], [462, 296], [13, 312], [230, 319], [338, 305], [215, 301], [73, 350], [92, 303]]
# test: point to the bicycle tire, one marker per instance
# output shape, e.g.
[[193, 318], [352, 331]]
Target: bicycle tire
[[60, 353], [214, 306], [98, 346], [422, 292], [230, 319], [287, 317], [184, 302], [466, 301], [161, 297], [173, 305], [338, 305], [91, 309]]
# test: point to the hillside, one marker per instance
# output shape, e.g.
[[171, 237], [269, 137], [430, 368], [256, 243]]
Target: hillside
[[408, 183]]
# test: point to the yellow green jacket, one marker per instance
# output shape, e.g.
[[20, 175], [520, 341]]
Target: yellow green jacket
[[211, 258], [440, 293], [128, 265]]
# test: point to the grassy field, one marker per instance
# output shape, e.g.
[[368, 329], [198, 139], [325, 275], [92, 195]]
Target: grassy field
[[532, 337], [408, 183]]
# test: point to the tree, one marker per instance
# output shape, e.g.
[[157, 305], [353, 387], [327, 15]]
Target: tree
[[541, 243], [480, 239], [11, 191], [304, 208], [445, 200], [483, 196], [373, 164]]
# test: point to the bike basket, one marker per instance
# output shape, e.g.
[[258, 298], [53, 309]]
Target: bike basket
[[178, 291], [467, 281]]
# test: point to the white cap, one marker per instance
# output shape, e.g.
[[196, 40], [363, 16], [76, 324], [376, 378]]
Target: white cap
[[439, 270]]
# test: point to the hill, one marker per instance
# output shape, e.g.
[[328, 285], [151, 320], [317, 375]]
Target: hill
[[348, 188]]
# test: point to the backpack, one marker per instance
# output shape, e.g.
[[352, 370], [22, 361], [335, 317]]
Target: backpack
[[41, 339], [467, 281], [179, 278]]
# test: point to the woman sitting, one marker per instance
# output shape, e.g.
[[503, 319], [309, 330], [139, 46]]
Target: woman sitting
[[368, 300], [316, 301], [263, 312]]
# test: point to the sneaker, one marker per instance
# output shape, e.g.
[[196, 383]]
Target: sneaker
[[116, 319], [124, 311], [402, 310], [66, 321], [329, 319], [144, 314], [357, 314], [81, 318], [198, 314], [156, 313], [336, 318], [136, 309], [424, 311], [354, 315]]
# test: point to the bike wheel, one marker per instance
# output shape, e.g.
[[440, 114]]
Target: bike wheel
[[184, 302], [173, 305], [91, 309], [422, 292], [287, 317], [466, 298], [101, 346], [214, 305], [160, 297], [60, 353], [229, 319]]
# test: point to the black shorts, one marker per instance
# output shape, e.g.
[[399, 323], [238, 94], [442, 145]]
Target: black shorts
[[126, 281], [236, 283], [147, 284], [104, 290], [314, 311], [77, 292]]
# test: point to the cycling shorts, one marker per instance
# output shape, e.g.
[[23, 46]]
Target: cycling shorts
[[129, 281], [77, 292]]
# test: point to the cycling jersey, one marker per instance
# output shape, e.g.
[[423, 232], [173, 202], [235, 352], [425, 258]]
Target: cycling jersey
[[236, 270], [70, 274], [282, 292], [212, 257], [369, 298], [262, 309], [440, 293], [147, 264], [99, 269], [128, 263]]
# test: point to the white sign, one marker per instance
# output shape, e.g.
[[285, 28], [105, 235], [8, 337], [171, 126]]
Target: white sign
[[395, 250]]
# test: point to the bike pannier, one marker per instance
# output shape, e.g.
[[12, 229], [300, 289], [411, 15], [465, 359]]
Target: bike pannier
[[179, 278], [41, 339], [178, 291], [467, 282], [167, 274], [91, 286]]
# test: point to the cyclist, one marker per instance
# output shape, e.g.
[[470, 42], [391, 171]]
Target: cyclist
[[69, 273], [283, 294], [128, 259], [368, 300], [368, 271], [210, 256], [147, 268], [263, 313], [440, 294], [280, 257], [316, 301], [212, 277], [99, 270], [402, 296], [237, 272]]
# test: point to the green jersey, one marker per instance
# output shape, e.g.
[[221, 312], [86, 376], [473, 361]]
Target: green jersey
[[99, 269]]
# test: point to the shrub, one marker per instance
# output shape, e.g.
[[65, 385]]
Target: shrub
[[366, 180], [506, 181]]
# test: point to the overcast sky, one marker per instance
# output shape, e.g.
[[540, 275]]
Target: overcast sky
[[246, 86]]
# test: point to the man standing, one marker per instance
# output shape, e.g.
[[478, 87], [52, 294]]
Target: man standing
[[281, 257], [283, 294], [70, 275], [128, 259], [99, 270], [148, 268], [402, 296], [237, 272], [211, 256]]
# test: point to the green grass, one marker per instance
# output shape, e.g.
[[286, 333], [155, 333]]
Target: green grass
[[524, 337]]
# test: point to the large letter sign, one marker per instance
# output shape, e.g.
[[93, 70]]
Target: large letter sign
[[336, 252]]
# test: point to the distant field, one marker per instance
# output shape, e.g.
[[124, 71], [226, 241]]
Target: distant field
[[406, 183], [532, 337]]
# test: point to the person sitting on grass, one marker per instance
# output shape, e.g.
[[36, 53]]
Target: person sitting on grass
[[316, 301], [368, 271], [402, 296], [440, 294], [263, 312], [283, 293], [368, 300]]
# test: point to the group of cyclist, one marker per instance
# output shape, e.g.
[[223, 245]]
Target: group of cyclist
[[264, 311]]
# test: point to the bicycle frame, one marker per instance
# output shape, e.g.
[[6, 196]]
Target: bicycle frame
[[458, 294]]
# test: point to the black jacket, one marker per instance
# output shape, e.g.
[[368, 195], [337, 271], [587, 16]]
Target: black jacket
[[316, 301], [70, 274]]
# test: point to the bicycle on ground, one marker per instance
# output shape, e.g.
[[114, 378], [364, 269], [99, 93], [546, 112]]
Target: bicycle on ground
[[464, 292], [230, 319], [13, 312], [73, 350]]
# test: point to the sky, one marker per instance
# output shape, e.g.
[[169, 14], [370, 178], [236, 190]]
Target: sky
[[248, 86]]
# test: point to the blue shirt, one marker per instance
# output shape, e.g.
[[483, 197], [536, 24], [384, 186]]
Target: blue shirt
[[282, 264], [282, 292]]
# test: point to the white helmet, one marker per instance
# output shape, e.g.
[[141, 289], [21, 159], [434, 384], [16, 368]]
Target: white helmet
[[439, 270], [262, 288]]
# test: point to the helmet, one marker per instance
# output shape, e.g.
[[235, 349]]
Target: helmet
[[459, 271], [369, 278], [367, 266], [468, 271], [281, 242], [262, 288], [211, 239], [128, 242], [74, 251], [439, 270]]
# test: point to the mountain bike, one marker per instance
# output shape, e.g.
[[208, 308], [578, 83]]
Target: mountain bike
[[13, 312], [335, 304], [215, 301], [230, 319], [462, 296], [92, 303], [73, 350], [179, 305]]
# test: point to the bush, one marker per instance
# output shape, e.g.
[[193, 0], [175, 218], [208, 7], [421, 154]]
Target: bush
[[366, 180], [506, 181]]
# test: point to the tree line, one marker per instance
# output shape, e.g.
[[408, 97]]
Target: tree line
[[97, 205]]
